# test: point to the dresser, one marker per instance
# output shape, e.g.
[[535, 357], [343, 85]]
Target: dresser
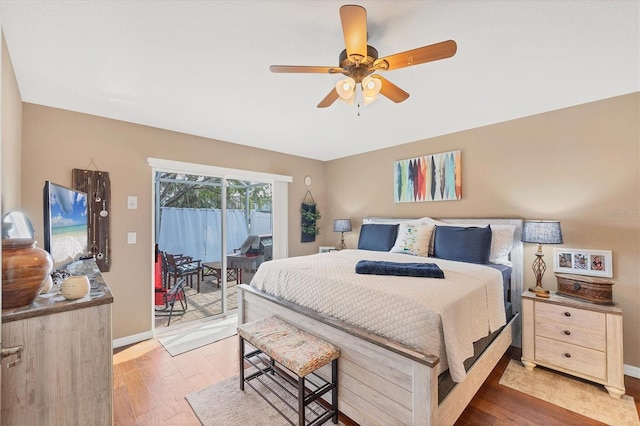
[[575, 337], [64, 374]]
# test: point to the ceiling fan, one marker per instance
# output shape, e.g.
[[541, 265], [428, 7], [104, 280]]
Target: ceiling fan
[[359, 61]]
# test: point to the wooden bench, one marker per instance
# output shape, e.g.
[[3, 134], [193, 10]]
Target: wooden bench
[[300, 353]]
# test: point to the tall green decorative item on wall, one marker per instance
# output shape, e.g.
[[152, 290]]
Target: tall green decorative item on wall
[[309, 219]]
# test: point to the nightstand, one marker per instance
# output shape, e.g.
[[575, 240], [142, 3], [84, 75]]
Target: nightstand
[[575, 337]]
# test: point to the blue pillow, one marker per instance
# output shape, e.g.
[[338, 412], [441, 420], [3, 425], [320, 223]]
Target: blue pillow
[[472, 244], [377, 237]]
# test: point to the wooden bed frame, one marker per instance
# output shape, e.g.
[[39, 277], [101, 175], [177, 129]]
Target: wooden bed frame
[[382, 381]]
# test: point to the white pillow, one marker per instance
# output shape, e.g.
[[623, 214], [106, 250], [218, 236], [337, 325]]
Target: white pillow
[[501, 244], [413, 239]]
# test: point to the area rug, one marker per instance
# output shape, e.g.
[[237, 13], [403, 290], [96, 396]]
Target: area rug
[[182, 342], [588, 399], [224, 404]]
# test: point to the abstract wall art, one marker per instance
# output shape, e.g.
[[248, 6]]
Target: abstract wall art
[[434, 177]]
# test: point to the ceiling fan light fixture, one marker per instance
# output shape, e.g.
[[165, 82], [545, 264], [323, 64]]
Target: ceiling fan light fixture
[[359, 60], [371, 87], [366, 100], [346, 88]]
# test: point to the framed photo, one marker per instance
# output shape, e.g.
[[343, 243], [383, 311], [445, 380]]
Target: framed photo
[[326, 249], [583, 262]]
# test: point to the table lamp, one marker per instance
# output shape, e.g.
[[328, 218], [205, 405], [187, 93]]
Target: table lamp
[[541, 232], [342, 226]]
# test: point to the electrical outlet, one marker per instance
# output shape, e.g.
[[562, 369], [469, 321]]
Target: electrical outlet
[[131, 238], [132, 202]]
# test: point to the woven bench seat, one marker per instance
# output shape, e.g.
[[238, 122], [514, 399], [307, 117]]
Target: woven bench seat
[[299, 352]]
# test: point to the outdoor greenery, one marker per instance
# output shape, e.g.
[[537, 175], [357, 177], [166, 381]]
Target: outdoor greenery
[[205, 192]]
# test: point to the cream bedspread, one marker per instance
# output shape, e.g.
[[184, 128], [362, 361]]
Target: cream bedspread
[[441, 317]]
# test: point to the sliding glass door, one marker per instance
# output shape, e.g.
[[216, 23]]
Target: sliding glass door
[[205, 222], [249, 231]]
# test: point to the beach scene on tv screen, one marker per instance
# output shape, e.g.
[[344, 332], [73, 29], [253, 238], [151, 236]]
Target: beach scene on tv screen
[[68, 225]]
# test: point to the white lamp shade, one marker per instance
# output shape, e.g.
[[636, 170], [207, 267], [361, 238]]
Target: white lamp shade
[[370, 88], [346, 88]]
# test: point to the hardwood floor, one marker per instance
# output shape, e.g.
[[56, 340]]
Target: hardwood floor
[[495, 404], [150, 386]]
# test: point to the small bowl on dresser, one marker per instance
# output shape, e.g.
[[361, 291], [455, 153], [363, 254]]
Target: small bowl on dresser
[[75, 287]]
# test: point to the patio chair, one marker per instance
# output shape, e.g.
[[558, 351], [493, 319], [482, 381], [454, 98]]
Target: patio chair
[[178, 267], [168, 297]]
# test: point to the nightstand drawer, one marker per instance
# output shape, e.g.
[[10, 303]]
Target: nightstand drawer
[[571, 358], [593, 339], [545, 312]]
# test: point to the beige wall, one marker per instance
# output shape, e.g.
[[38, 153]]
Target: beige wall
[[578, 165], [56, 141], [11, 113]]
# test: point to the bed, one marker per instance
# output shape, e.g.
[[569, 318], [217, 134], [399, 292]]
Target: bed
[[393, 363]]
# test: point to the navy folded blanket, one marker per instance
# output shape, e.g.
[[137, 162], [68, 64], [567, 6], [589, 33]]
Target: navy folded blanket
[[376, 267]]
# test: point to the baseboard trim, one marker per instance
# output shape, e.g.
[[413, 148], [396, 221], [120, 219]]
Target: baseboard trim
[[630, 370], [134, 338]]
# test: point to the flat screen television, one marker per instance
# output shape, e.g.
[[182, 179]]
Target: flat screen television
[[66, 226]]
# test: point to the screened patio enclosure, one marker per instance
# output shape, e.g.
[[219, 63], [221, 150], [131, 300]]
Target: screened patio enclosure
[[206, 212], [197, 232], [189, 214]]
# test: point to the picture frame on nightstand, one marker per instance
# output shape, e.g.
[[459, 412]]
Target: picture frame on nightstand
[[597, 263], [326, 249]]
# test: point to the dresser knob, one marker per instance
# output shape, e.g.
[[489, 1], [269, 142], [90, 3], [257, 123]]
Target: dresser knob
[[567, 355], [567, 314], [567, 332]]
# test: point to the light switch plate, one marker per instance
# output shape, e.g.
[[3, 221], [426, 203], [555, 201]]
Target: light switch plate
[[132, 202], [131, 238]]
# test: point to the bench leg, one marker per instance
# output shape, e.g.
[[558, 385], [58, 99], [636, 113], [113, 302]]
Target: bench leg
[[241, 340], [301, 403], [334, 391]]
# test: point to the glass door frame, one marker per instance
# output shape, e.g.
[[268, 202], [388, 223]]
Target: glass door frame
[[279, 216]]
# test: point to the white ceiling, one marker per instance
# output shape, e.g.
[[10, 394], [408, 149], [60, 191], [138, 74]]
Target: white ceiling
[[202, 67]]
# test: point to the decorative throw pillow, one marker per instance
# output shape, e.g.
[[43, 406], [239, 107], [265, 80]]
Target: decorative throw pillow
[[468, 244], [377, 237], [501, 244], [413, 239]]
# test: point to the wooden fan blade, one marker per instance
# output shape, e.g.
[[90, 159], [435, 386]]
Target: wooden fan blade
[[302, 69], [329, 99], [391, 91], [433, 52], [354, 28]]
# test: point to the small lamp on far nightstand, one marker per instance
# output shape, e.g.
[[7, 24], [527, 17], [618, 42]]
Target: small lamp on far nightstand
[[541, 232], [342, 226]]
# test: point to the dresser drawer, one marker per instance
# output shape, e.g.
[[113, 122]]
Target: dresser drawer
[[568, 333], [571, 357], [545, 312]]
